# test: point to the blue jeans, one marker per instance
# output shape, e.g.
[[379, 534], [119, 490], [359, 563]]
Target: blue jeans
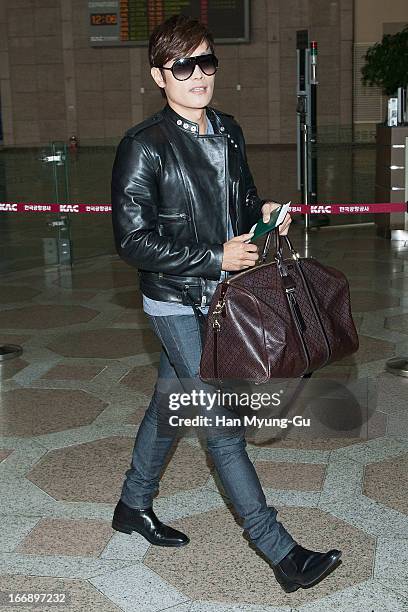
[[179, 361]]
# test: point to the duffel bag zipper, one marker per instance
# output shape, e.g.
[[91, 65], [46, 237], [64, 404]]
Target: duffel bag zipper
[[316, 313], [257, 266], [299, 322]]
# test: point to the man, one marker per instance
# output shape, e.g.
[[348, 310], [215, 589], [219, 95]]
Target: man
[[183, 201]]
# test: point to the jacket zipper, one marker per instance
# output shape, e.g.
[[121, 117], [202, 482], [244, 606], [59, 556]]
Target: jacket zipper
[[174, 216], [226, 191]]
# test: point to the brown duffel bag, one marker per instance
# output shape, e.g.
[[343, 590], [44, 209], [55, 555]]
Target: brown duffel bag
[[283, 319]]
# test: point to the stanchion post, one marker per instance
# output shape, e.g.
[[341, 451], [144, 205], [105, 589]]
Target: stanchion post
[[305, 151], [399, 365], [302, 79], [62, 253], [306, 120], [312, 136]]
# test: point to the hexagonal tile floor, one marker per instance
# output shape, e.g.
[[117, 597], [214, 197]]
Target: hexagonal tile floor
[[128, 299], [366, 301], [71, 406], [387, 482], [31, 412], [12, 367], [141, 379], [86, 538], [106, 343], [44, 316], [339, 413], [5, 453], [78, 594], [397, 323], [370, 349], [370, 268], [61, 473], [371, 245], [103, 279], [219, 555], [10, 294], [73, 372], [299, 477]]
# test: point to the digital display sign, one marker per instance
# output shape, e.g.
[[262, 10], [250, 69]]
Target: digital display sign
[[130, 22], [104, 19]]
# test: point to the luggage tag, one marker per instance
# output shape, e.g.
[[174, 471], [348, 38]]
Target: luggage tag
[[277, 216]]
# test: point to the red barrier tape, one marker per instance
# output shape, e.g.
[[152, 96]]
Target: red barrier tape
[[328, 209]]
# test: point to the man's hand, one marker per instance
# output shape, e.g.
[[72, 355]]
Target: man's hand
[[266, 210], [239, 255]]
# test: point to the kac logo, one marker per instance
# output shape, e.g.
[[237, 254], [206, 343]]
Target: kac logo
[[11, 207], [320, 209], [69, 208]]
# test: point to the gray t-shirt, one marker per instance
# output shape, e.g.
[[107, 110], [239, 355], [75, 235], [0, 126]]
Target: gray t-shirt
[[161, 309]]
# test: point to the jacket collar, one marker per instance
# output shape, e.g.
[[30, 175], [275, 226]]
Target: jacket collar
[[189, 126]]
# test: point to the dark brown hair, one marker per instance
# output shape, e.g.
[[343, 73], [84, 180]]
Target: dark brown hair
[[175, 38]]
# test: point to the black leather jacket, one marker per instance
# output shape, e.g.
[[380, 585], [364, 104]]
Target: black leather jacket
[[172, 190]]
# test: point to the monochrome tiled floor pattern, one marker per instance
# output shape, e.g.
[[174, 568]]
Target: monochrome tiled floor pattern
[[70, 408]]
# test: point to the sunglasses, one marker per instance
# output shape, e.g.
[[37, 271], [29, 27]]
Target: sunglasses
[[183, 68]]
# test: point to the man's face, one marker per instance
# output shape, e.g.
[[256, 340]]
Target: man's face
[[193, 93]]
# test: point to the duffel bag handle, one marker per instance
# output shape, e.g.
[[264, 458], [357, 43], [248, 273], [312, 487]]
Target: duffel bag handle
[[278, 245]]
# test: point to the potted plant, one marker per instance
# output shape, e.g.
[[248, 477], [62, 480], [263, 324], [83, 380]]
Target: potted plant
[[387, 63]]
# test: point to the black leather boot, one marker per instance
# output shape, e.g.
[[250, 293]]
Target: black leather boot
[[146, 523], [303, 568]]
